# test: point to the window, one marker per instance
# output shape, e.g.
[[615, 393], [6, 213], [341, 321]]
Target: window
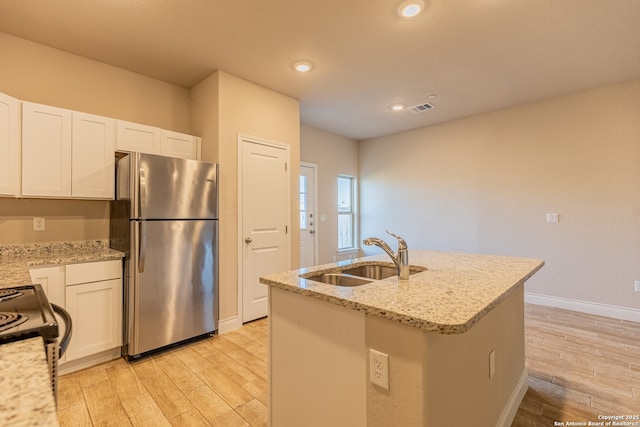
[[346, 213], [303, 202]]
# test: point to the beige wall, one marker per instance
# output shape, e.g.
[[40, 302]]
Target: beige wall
[[485, 183], [205, 115], [334, 155], [36, 73], [248, 109], [67, 220]]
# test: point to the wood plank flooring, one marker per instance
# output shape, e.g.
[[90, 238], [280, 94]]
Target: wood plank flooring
[[580, 366], [220, 381]]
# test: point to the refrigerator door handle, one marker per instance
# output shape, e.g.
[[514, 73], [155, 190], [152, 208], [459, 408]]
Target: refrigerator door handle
[[143, 193], [142, 246]]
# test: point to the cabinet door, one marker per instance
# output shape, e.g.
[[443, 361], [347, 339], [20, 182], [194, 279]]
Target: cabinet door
[[46, 151], [96, 312], [137, 137], [92, 158], [52, 281], [179, 145], [9, 146]]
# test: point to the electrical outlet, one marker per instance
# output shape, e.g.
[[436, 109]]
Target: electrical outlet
[[492, 364], [552, 217], [379, 368], [636, 285], [38, 224]]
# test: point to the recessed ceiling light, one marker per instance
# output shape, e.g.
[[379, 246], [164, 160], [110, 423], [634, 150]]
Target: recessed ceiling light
[[302, 66], [397, 107], [432, 96], [411, 8]]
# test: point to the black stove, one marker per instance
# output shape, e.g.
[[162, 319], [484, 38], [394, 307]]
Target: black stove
[[25, 312]]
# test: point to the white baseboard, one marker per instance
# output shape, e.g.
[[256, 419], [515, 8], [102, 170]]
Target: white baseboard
[[509, 412], [88, 361], [616, 312], [228, 325]]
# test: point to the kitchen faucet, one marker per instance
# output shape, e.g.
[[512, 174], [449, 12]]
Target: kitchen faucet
[[400, 259]]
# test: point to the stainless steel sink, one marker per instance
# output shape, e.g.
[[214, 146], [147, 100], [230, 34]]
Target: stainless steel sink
[[358, 275], [339, 279], [375, 272], [378, 272]]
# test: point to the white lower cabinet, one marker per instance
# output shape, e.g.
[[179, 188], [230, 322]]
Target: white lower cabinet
[[52, 281], [92, 295], [96, 311], [93, 298]]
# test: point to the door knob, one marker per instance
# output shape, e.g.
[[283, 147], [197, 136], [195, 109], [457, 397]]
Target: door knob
[[248, 240], [312, 231]]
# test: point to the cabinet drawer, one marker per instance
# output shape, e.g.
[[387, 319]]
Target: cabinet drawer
[[93, 271]]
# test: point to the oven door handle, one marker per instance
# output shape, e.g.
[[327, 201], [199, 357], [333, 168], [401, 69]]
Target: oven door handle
[[64, 341]]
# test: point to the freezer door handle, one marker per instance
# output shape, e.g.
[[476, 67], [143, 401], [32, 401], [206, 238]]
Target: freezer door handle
[[142, 245]]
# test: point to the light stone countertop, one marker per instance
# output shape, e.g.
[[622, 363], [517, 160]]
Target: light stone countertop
[[452, 295], [26, 397], [15, 260]]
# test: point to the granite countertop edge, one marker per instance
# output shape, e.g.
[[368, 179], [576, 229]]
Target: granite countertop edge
[[465, 277], [16, 260], [26, 395]]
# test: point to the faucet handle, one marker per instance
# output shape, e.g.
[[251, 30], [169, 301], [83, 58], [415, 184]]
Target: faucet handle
[[401, 243]]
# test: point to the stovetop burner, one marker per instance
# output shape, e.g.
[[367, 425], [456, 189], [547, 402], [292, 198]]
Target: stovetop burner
[[10, 320], [26, 314], [7, 294]]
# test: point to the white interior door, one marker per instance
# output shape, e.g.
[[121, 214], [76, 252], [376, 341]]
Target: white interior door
[[308, 216], [264, 209]]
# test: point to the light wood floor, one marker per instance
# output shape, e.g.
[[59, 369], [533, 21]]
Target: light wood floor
[[580, 366], [220, 381]]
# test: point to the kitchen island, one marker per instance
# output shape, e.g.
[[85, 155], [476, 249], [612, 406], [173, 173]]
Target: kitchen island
[[454, 336]]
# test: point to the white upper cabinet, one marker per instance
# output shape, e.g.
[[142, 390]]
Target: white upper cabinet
[[53, 152], [180, 145], [137, 137], [46, 151], [149, 139], [9, 146], [66, 153], [92, 157]]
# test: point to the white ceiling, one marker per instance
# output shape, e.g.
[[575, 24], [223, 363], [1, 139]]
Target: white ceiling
[[475, 55]]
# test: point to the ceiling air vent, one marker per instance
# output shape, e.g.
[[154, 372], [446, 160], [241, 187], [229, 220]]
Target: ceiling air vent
[[421, 107]]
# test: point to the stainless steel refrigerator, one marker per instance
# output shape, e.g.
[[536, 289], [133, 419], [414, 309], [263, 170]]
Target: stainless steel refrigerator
[[165, 219]]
